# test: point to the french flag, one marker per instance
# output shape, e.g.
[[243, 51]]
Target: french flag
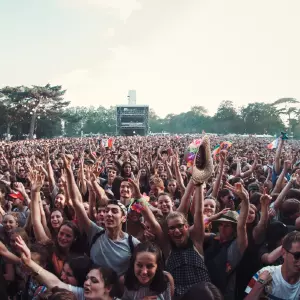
[[273, 145]]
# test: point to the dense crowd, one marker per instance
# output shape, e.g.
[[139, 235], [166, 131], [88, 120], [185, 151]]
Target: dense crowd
[[80, 220]]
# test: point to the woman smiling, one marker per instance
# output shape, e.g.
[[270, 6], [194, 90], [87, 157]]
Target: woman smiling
[[145, 277]]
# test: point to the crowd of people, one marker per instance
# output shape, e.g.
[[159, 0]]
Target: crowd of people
[[133, 221]]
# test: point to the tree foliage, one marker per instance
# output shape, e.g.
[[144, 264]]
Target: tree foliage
[[43, 111], [26, 105]]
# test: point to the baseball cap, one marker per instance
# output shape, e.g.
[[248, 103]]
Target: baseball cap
[[16, 195]]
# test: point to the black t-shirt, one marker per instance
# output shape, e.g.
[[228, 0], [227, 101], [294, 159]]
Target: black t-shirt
[[248, 266]]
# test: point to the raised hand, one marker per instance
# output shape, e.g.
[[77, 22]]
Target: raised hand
[[37, 181], [47, 154], [63, 178], [239, 190], [135, 188], [25, 252], [138, 176], [19, 187], [223, 155], [265, 199], [223, 212], [68, 159], [219, 214], [96, 169]]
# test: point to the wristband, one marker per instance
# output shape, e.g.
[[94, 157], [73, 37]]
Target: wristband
[[261, 281]]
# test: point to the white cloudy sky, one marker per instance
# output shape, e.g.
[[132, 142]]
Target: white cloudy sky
[[174, 53]]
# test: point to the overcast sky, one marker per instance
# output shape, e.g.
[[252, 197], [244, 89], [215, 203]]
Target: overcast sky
[[174, 53]]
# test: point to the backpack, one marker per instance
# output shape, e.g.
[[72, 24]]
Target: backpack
[[98, 234]]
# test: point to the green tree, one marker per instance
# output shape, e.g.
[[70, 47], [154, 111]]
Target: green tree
[[227, 119], [199, 110], [288, 107], [12, 111], [261, 118], [28, 104], [46, 101], [74, 118]]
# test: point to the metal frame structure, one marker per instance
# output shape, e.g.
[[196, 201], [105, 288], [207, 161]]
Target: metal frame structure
[[132, 120]]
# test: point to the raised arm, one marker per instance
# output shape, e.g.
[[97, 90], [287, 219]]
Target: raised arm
[[149, 217], [279, 182], [37, 182], [92, 201], [278, 202], [83, 220], [258, 289], [81, 177], [250, 171], [197, 231], [270, 258], [168, 169], [44, 220], [185, 203], [217, 183], [18, 186], [42, 275], [238, 168], [99, 191], [50, 172], [277, 164], [178, 176], [242, 238], [260, 229]]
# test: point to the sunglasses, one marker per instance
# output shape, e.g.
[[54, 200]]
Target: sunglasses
[[296, 255]]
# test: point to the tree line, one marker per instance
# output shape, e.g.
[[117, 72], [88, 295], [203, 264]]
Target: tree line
[[41, 111]]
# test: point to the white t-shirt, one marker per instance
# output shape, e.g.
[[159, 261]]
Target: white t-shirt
[[278, 288], [108, 253], [77, 291]]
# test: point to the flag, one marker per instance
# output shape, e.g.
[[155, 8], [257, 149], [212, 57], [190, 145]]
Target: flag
[[216, 151], [107, 143], [197, 142], [223, 146], [273, 145], [110, 142]]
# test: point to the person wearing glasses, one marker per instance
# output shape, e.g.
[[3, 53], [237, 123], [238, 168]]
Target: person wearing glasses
[[182, 245], [279, 282], [226, 199]]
